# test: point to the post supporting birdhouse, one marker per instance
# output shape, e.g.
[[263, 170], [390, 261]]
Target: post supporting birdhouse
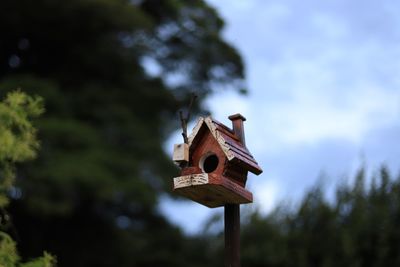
[[232, 235]]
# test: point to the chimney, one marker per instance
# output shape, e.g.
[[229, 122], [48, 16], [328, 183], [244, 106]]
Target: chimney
[[238, 128]]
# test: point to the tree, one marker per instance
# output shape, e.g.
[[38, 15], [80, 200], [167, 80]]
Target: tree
[[113, 73], [18, 143], [358, 228]]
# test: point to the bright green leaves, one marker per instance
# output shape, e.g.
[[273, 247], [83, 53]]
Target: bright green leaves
[[9, 256], [46, 261], [18, 143], [8, 253], [17, 135]]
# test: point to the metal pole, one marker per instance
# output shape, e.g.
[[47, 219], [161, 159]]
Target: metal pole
[[232, 235]]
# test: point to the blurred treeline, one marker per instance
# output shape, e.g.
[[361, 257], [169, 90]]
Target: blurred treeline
[[113, 74], [359, 227]]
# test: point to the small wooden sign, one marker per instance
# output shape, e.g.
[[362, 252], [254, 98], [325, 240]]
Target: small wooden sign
[[181, 153]]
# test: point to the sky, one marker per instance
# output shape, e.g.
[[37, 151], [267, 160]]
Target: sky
[[324, 96]]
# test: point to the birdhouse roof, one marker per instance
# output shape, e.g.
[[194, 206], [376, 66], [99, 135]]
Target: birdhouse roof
[[230, 144]]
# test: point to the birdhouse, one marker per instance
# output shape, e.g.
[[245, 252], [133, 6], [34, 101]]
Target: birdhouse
[[215, 163]]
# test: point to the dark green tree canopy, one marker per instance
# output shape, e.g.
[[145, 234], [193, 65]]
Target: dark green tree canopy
[[113, 74], [88, 59]]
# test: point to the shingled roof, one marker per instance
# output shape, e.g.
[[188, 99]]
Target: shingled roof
[[230, 144]]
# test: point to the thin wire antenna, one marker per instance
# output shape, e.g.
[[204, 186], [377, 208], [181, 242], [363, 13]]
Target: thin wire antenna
[[185, 120]]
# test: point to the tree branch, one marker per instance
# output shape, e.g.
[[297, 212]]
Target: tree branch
[[185, 120]]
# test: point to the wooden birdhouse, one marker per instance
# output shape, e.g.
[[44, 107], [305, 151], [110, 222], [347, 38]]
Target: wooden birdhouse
[[215, 163]]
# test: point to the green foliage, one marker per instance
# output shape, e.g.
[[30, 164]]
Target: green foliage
[[18, 143], [17, 135], [8, 253], [10, 258], [46, 261]]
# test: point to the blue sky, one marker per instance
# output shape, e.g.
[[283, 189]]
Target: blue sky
[[324, 82]]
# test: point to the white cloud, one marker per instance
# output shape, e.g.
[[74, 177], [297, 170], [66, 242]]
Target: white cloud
[[314, 117], [265, 193], [227, 103]]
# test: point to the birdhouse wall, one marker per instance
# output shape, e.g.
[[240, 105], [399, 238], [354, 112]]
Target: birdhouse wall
[[237, 173], [207, 145]]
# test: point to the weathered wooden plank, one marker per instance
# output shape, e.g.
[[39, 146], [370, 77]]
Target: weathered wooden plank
[[182, 181], [211, 190], [195, 130], [198, 179]]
